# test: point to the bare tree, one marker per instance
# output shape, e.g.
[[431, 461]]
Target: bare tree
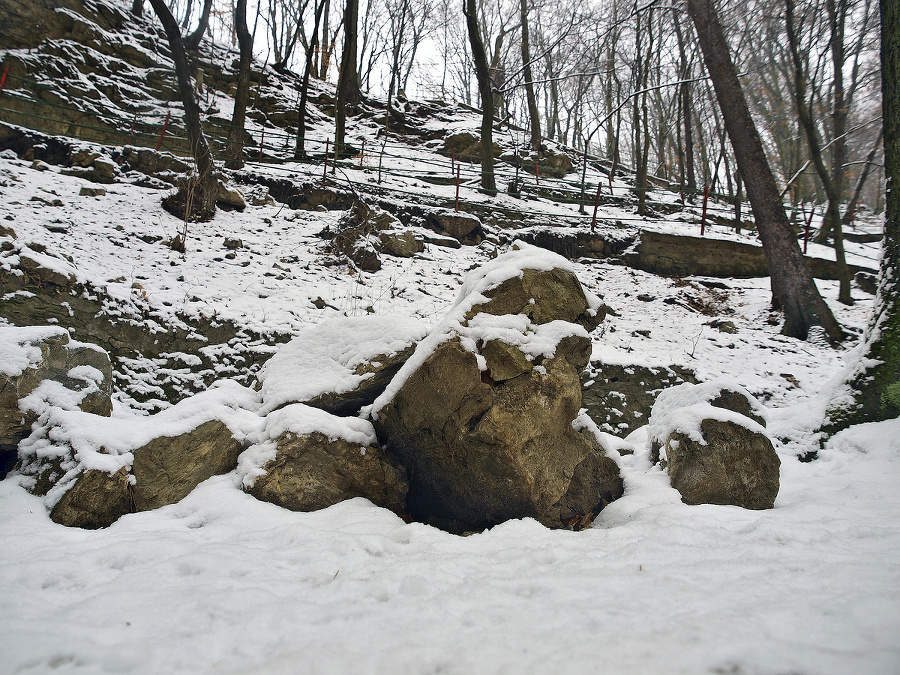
[[793, 289], [348, 89], [483, 75], [234, 150], [875, 386], [205, 183], [192, 41]]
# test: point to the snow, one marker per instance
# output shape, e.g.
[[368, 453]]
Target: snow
[[221, 582], [300, 420], [682, 409], [325, 357], [20, 347]]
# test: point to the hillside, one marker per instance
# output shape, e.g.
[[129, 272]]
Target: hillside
[[221, 581]]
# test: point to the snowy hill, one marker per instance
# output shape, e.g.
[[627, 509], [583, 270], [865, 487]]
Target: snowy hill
[[221, 582]]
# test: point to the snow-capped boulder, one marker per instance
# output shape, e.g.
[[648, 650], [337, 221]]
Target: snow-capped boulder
[[311, 459], [482, 414], [339, 365], [713, 441], [463, 227], [91, 470], [34, 354]]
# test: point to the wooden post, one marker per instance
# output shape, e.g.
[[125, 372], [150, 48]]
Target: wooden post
[[162, 133], [362, 153], [262, 140], [452, 162], [457, 187], [596, 204], [703, 217], [812, 210], [537, 174], [325, 164]]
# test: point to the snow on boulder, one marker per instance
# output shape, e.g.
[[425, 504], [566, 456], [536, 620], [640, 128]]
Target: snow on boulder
[[31, 355], [91, 470], [309, 460], [713, 441], [482, 413], [339, 365]]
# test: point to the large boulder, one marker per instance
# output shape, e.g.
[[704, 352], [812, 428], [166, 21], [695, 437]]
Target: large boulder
[[461, 226], [339, 365], [714, 444], [168, 467], [482, 414], [91, 470], [32, 355], [310, 460]]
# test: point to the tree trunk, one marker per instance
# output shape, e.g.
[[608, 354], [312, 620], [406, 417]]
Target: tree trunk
[[483, 75], [875, 386], [137, 8], [861, 181], [206, 181], [192, 41], [534, 117], [348, 92], [831, 181], [235, 149], [793, 288], [690, 178], [300, 146]]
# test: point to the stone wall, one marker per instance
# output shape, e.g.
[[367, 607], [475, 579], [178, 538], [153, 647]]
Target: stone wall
[[680, 255]]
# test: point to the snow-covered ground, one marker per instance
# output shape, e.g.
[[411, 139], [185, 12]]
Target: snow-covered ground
[[224, 583]]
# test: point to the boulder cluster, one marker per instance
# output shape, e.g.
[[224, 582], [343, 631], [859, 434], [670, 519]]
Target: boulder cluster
[[467, 424]]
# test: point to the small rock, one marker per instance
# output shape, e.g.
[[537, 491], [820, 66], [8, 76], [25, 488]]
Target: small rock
[[233, 244], [92, 192], [38, 165]]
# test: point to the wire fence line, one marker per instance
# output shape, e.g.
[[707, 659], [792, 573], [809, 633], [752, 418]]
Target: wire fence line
[[276, 147]]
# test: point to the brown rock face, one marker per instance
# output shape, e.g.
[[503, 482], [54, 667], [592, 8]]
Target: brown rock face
[[543, 297], [167, 468], [736, 466], [58, 357], [96, 500], [481, 451], [311, 472]]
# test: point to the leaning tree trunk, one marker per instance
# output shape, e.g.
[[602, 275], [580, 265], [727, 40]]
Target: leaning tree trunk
[[793, 288], [206, 182], [235, 149], [482, 74], [137, 8], [875, 386], [348, 93]]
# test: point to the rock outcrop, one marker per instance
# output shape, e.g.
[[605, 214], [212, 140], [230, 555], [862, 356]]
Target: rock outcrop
[[45, 353], [311, 460], [714, 444], [482, 413], [92, 470]]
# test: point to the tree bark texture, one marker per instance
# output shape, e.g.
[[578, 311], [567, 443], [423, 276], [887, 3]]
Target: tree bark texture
[[483, 75], [348, 93], [234, 150], [875, 389], [793, 288], [206, 182], [300, 147], [534, 117], [192, 41]]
